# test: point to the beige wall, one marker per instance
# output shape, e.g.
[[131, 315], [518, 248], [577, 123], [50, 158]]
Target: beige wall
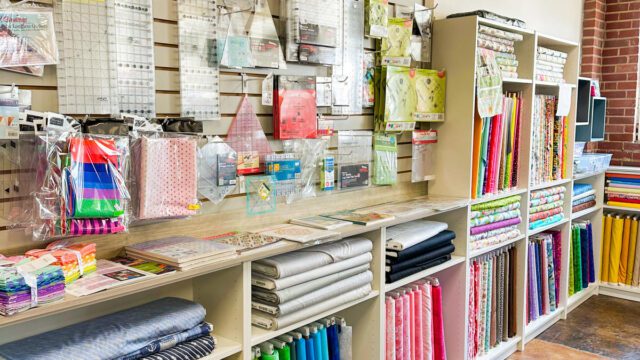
[[560, 18]]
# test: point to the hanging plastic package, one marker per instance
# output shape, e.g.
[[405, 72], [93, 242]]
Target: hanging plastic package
[[310, 152], [27, 37], [247, 138], [423, 155], [261, 195], [385, 159], [376, 17], [488, 84], [354, 159], [217, 166]]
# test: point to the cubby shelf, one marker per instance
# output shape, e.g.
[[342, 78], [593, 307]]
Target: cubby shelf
[[542, 323], [585, 212], [576, 299], [488, 249]]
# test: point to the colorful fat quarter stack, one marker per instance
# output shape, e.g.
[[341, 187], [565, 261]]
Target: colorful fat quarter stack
[[495, 222], [75, 260], [546, 207]]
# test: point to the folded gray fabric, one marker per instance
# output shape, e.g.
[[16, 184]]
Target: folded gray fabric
[[109, 336], [275, 297], [279, 284], [317, 296], [281, 266], [406, 235]]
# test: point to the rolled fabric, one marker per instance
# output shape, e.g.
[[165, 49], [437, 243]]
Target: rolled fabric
[[544, 214], [615, 249], [545, 200], [496, 239], [623, 198], [496, 203], [480, 213], [494, 218], [623, 204], [607, 221], [584, 206], [439, 347], [434, 242], [545, 207], [583, 200], [390, 353], [491, 233], [548, 221], [480, 229], [547, 192]]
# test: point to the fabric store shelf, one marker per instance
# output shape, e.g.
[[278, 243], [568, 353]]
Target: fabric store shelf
[[549, 184], [620, 291], [547, 227], [517, 81], [488, 249], [422, 214], [549, 84], [585, 212], [259, 335], [224, 348], [541, 324], [503, 26], [621, 208], [503, 350], [501, 195], [548, 40], [455, 260], [577, 299], [586, 175]]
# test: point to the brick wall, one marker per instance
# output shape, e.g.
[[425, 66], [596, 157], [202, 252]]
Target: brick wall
[[614, 24]]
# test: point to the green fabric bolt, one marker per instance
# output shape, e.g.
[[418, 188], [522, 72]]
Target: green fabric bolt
[[577, 260], [496, 203], [97, 208]]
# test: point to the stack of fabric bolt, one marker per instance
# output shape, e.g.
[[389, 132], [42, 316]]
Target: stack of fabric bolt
[[168, 328], [414, 322], [495, 222], [544, 253], [550, 65], [75, 259], [581, 266], [502, 43], [294, 286], [620, 250], [623, 190], [584, 197], [546, 207], [492, 300], [95, 191], [18, 293], [325, 339], [416, 246]]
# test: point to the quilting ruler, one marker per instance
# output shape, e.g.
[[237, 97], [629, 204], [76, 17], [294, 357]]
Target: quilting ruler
[[135, 57], [199, 68], [348, 74], [86, 72]]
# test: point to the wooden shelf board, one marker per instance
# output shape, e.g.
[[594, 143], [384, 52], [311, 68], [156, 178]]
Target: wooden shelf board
[[455, 260], [621, 208], [259, 335], [620, 291], [577, 299], [503, 350], [548, 40], [476, 253], [541, 324], [585, 212], [506, 27], [547, 227], [586, 175], [500, 195], [517, 81], [224, 348], [550, 84], [549, 184]]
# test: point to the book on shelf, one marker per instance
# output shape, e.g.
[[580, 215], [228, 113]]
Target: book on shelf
[[360, 218], [320, 222], [297, 233], [108, 275], [153, 267]]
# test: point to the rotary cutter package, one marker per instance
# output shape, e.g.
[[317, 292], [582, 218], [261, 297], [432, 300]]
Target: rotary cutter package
[[27, 37], [385, 159], [164, 179], [423, 155], [83, 191], [217, 166], [354, 159]]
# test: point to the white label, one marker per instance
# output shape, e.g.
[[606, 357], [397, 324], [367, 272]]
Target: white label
[[267, 90]]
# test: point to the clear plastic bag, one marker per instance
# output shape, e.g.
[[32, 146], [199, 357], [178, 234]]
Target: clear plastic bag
[[376, 18], [83, 191], [217, 166], [165, 175], [354, 159], [310, 153], [488, 84], [385, 159], [423, 155], [27, 37]]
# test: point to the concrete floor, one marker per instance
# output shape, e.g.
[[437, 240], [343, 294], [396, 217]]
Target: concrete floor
[[602, 325]]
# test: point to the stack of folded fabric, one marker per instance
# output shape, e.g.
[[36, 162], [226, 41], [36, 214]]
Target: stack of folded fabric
[[545, 267], [495, 222], [18, 293], [168, 328], [502, 43], [75, 259], [294, 286], [623, 190], [550, 65], [95, 189], [584, 197], [414, 322], [416, 246], [546, 207], [620, 250], [581, 265]]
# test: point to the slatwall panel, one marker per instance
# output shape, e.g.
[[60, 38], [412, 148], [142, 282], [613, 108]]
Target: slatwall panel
[[44, 98]]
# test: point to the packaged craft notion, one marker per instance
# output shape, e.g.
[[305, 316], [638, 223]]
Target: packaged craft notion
[[376, 18], [385, 159], [27, 37], [246, 137], [295, 111], [395, 49]]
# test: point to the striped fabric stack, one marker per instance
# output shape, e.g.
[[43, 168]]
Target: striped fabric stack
[[502, 43], [546, 207], [495, 222], [550, 65], [623, 190]]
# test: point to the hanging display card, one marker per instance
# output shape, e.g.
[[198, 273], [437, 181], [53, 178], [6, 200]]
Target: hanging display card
[[27, 38]]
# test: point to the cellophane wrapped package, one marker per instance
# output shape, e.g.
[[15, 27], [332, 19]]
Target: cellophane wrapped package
[[27, 37]]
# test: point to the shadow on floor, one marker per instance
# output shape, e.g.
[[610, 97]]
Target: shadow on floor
[[602, 325]]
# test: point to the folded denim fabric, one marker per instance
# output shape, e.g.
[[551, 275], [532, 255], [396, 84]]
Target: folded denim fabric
[[190, 350], [421, 260], [110, 336], [403, 274], [441, 239], [170, 341]]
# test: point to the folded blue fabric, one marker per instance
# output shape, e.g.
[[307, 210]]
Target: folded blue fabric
[[189, 350], [170, 341], [109, 336], [629, 181], [581, 188]]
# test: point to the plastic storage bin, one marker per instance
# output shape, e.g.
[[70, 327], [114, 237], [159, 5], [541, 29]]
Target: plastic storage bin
[[591, 163]]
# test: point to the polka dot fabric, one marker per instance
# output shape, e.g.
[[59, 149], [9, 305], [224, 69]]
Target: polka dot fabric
[[168, 177]]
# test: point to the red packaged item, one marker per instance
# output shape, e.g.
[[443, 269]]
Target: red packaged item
[[94, 151], [295, 111]]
